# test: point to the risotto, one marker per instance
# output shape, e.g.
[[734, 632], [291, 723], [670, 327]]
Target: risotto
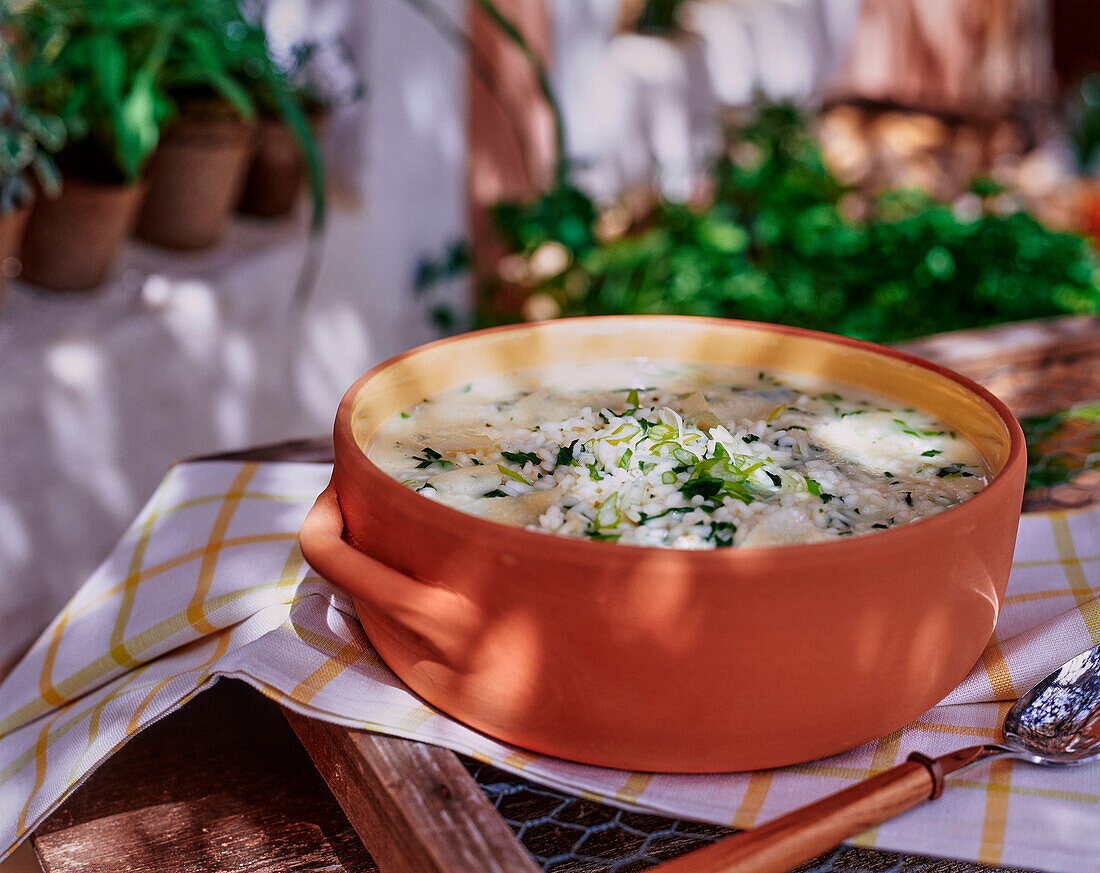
[[694, 457]]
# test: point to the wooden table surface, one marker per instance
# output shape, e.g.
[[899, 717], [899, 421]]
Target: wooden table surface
[[231, 782]]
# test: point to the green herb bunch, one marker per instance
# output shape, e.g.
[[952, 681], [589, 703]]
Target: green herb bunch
[[117, 72], [777, 242], [27, 137]]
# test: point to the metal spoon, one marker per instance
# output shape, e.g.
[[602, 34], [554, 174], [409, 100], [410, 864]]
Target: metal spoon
[[1057, 723]]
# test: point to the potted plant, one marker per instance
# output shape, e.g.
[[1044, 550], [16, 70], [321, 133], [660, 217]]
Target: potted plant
[[322, 75], [216, 65], [26, 138], [96, 65]]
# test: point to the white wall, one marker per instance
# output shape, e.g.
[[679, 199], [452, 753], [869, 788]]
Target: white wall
[[189, 354]]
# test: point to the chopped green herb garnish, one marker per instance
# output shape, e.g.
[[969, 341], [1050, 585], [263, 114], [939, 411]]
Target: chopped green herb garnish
[[704, 488], [813, 487], [496, 492], [432, 457], [675, 509], [404, 415], [721, 533], [909, 497], [750, 438], [685, 457], [566, 456], [880, 526], [953, 470], [777, 481], [608, 513], [624, 461], [931, 453], [512, 474], [522, 458]]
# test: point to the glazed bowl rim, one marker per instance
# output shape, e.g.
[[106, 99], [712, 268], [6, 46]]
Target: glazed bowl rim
[[999, 488]]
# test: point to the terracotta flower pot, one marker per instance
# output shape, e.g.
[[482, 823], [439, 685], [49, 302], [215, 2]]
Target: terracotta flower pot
[[275, 176], [73, 241], [666, 659], [195, 180], [12, 225]]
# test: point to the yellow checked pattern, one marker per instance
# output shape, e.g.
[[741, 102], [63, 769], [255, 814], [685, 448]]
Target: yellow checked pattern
[[209, 581]]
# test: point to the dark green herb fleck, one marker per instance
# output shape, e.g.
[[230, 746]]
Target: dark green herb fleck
[[522, 458]]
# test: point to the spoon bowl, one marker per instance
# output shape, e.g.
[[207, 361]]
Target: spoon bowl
[[1057, 723]]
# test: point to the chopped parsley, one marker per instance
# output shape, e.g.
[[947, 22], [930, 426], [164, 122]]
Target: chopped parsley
[[953, 470], [704, 488], [566, 455], [721, 533], [522, 458], [430, 457], [643, 518]]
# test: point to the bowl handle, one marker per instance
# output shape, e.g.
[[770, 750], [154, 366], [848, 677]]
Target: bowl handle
[[427, 609]]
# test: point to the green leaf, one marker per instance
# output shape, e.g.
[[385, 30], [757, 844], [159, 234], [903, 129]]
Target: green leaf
[[138, 130], [108, 62]]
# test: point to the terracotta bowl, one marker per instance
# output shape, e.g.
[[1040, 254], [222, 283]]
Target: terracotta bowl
[[660, 659]]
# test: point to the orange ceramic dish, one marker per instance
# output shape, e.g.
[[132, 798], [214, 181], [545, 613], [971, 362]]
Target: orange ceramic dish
[[661, 659]]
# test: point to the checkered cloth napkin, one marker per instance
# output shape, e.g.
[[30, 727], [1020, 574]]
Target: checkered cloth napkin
[[209, 581]]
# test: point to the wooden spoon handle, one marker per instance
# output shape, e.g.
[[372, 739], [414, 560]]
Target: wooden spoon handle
[[788, 841]]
